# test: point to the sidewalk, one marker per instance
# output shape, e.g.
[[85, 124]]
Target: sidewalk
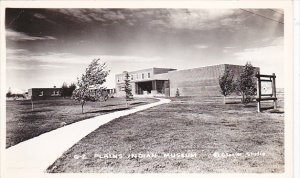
[[35, 155]]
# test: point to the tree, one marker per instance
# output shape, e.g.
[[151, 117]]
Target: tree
[[246, 84], [128, 93], [95, 75], [226, 83], [64, 90]]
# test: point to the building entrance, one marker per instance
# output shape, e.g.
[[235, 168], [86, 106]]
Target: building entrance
[[143, 88]]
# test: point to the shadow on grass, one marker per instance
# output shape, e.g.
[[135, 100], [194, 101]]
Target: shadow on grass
[[110, 105], [277, 111], [107, 110], [137, 103], [249, 106], [32, 118], [233, 102], [36, 111]]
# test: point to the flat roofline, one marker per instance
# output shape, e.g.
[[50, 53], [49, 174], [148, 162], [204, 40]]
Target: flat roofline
[[138, 81], [211, 66], [44, 88], [147, 69], [175, 70]]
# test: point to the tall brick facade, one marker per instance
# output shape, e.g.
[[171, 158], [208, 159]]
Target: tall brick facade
[[203, 81]]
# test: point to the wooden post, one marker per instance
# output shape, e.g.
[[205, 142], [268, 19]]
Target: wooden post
[[274, 90], [258, 91], [31, 103]]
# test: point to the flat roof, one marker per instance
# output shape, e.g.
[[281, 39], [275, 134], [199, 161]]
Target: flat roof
[[147, 69]]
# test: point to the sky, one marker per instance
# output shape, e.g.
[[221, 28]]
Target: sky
[[46, 47]]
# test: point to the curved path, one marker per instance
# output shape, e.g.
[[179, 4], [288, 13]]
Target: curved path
[[35, 155]]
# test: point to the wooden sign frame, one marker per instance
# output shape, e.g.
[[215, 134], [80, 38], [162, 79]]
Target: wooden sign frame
[[266, 97]]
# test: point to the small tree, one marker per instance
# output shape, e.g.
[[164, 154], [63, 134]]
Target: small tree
[[226, 83], [9, 94], [95, 75], [177, 93], [71, 88], [128, 90], [246, 84]]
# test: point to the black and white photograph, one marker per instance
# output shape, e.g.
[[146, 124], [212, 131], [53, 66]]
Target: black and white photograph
[[113, 89]]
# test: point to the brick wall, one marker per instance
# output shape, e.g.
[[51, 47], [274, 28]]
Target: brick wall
[[203, 81]]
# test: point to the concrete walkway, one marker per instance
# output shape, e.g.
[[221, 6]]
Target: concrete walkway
[[35, 155]]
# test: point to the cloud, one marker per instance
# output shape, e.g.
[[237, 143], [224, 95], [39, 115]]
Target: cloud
[[268, 41], [19, 36], [21, 58], [229, 47], [202, 19], [39, 16], [14, 67], [270, 59], [273, 52], [25, 56], [201, 46], [91, 15]]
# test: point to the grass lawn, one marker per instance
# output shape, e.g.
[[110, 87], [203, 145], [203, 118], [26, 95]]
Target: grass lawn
[[204, 130], [22, 123]]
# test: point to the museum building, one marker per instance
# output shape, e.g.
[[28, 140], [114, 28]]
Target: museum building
[[202, 81]]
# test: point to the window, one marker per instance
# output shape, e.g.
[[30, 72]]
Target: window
[[142, 76], [41, 93], [137, 76], [118, 79], [148, 75], [55, 93], [131, 77]]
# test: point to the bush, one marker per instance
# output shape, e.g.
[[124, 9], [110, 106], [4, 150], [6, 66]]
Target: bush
[[177, 93]]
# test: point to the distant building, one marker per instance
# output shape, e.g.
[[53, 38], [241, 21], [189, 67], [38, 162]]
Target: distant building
[[202, 81], [39, 93]]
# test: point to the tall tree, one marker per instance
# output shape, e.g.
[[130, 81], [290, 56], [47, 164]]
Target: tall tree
[[246, 84], [128, 90], [226, 83], [95, 75]]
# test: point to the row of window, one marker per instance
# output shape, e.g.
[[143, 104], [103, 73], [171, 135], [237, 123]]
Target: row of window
[[54, 93], [137, 76]]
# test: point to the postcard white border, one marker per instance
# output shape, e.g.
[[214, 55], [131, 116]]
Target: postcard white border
[[288, 67]]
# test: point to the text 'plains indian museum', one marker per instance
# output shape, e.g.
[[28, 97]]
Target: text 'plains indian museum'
[[202, 81]]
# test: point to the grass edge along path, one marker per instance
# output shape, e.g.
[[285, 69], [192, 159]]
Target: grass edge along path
[[35, 155]]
